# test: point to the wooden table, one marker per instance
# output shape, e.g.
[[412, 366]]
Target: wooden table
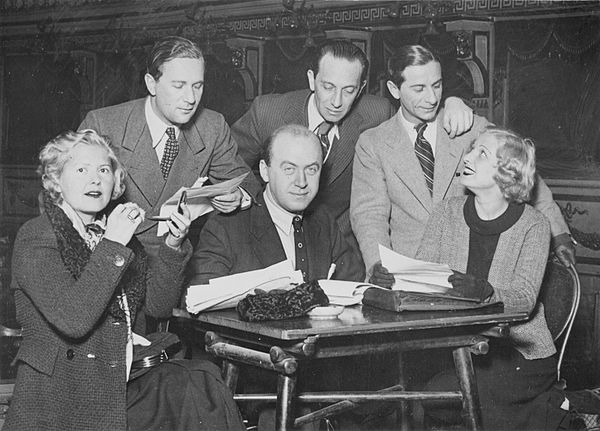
[[359, 330]]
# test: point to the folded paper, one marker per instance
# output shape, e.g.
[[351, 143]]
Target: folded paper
[[198, 199]]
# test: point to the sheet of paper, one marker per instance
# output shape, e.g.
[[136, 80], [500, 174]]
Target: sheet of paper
[[225, 292], [198, 199], [342, 292], [413, 270]]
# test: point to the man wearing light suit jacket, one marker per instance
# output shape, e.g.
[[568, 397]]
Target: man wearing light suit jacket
[[334, 107], [167, 141], [391, 199]]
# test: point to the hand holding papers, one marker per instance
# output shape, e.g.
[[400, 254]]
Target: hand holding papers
[[198, 198], [415, 275], [226, 292]]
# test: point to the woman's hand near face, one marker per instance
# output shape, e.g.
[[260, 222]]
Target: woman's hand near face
[[179, 227], [123, 221]]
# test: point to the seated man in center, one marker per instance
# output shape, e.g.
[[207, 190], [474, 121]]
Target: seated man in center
[[264, 234]]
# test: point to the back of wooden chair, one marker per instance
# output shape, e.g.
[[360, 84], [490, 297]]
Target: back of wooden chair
[[7, 386], [560, 293]]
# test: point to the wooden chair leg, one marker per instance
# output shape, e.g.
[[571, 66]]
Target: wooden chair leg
[[468, 388], [231, 373]]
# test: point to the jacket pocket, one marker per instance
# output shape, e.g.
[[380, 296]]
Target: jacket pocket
[[40, 356]]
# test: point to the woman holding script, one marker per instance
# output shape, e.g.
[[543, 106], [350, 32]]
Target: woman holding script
[[498, 245], [80, 280]]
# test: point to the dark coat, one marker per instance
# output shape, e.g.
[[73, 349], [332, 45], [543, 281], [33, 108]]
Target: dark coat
[[248, 240], [71, 363], [272, 111], [206, 149]]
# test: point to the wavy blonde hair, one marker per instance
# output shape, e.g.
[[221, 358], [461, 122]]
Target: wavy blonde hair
[[55, 154], [516, 164]]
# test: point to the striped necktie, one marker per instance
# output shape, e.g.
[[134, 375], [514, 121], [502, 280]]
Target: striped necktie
[[425, 155], [322, 132], [171, 151]]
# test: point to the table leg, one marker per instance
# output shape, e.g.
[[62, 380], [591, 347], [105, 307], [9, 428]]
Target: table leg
[[402, 413], [468, 388], [286, 387]]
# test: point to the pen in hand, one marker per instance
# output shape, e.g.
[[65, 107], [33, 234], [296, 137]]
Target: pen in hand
[[331, 271]]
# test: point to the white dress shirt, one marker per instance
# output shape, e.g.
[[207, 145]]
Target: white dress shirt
[[158, 130], [283, 224], [315, 119], [430, 131]]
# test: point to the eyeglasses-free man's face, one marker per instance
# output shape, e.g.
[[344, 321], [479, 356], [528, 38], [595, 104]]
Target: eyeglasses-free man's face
[[176, 94], [336, 86]]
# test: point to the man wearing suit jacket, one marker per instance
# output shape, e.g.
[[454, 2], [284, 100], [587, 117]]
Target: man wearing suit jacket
[[333, 107], [166, 141], [391, 198], [265, 234]]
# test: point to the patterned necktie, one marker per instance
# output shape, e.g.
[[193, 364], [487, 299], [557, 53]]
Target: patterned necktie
[[171, 151], [301, 256], [425, 155], [94, 228], [323, 134]]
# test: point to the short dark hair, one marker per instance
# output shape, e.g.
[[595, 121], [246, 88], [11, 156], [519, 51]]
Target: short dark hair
[[295, 130], [167, 49], [340, 48], [408, 55]]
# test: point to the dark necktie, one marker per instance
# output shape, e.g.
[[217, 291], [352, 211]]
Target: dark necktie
[[171, 151], [301, 256], [323, 134], [425, 155]]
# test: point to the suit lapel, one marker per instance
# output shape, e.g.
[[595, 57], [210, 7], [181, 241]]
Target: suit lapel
[[342, 151], [297, 112], [315, 251], [263, 232], [404, 161], [140, 160], [448, 155]]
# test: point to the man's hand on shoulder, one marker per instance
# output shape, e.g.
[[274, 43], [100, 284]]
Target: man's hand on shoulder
[[458, 117]]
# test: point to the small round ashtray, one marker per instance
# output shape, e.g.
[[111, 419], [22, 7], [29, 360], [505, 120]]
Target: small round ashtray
[[326, 312]]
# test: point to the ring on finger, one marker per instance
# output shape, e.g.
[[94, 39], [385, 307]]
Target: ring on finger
[[132, 215]]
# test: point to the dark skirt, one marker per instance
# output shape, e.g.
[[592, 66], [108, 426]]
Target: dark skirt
[[515, 393], [181, 395]]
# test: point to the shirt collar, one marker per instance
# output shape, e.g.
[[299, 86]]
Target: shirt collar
[[281, 218], [315, 118], [430, 131], [157, 127], [79, 225]]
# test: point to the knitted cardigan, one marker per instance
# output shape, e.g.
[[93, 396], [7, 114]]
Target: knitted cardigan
[[516, 272], [71, 362]]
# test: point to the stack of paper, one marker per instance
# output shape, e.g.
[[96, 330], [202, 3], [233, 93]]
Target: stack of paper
[[342, 292], [415, 275], [226, 292]]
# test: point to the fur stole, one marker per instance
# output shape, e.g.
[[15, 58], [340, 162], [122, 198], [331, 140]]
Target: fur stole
[[75, 255]]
